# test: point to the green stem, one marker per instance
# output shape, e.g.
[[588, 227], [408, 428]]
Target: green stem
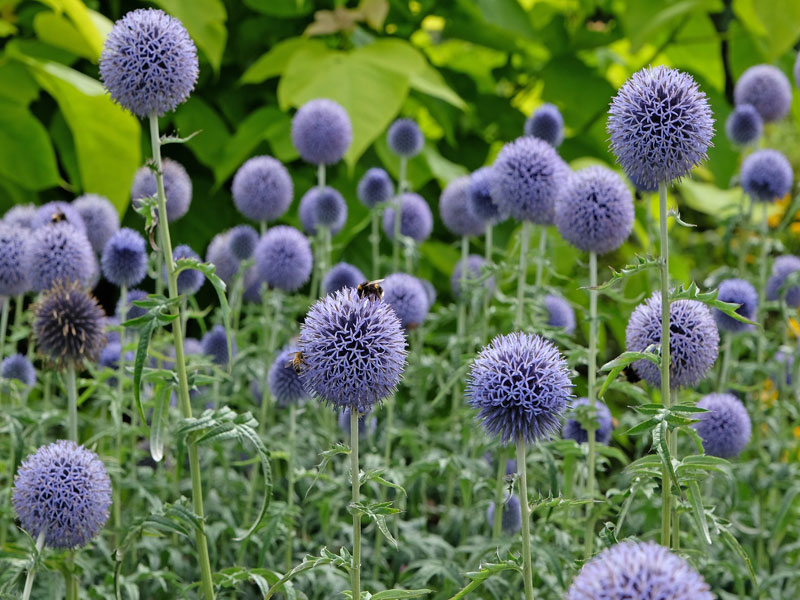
[[522, 273], [26, 593], [591, 431], [398, 215], [117, 490], [375, 241], [762, 286], [4, 325], [70, 582], [499, 486], [72, 401], [673, 450], [355, 572], [527, 571], [271, 326], [540, 258], [290, 479], [487, 296], [19, 302], [726, 361], [666, 488], [461, 319]]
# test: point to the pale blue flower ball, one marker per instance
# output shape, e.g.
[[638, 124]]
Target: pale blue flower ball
[[767, 89], [454, 209], [546, 124], [375, 187], [124, 258], [404, 138], [100, 218], [767, 175], [262, 189], [13, 264], [744, 125], [416, 220], [177, 187], [322, 132], [405, 294], [341, 275], [725, 429], [283, 258], [322, 207], [56, 253]]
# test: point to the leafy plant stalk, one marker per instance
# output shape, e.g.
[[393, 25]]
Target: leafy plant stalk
[[290, 479], [499, 486], [26, 592], [666, 487], [726, 361], [3, 325], [673, 451], [522, 273], [540, 258], [355, 572], [487, 296], [117, 500], [72, 401], [527, 569], [762, 287], [591, 392], [461, 318], [398, 211]]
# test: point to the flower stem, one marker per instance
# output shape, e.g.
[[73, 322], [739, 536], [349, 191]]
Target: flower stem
[[290, 479], [375, 240], [527, 570], [19, 302], [762, 287], [540, 258], [117, 493], [72, 401], [673, 451], [26, 592], [3, 325], [461, 318], [499, 485], [487, 296], [522, 273], [726, 361], [355, 572], [666, 486], [591, 375]]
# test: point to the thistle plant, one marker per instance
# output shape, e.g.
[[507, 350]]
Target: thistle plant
[[13, 276]]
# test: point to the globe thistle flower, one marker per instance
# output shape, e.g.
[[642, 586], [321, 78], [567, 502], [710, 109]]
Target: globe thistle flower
[[454, 209], [512, 515], [766, 175], [744, 125], [13, 250], [479, 197], [353, 349], [594, 212], [475, 266], [374, 188], [284, 382], [215, 345], [737, 291], [149, 63], [367, 423], [321, 132], [405, 294], [124, 258], [526, 178], [189, 280], [781, 269], [262, 189], [58, 212], [404, 138], [68, 324], [100, 218], [416, 219], [639, 571], [660, 125], [430, 291], [573, 430], [177, 187], [520, 385], [131, 310], [322, 207], [20, 216], [242, 241], [560, 313], [63, 489], [725, 429], [18, 367], [546, 124], [220, 255], [767, 89], [693, 340], [58, 252], [283, 258], [341, 275]]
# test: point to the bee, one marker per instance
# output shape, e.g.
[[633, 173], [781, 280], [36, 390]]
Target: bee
[[297, 362], [631, 375], [370, 289], [57, 217]]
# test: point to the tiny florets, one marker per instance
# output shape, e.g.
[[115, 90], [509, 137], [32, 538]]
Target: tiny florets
[[283, 258], [242, 241], [219, 254], [725, 429], [479, 196], [405, 294], [58, 212], [454, 209], [737, 291], [177, 187], [781, 269], [322, 207], [100, 218], [13, 263], [546, 124], [189, 280], [416, 220], [341, 275], [375, 187], [367, 423], [124, 259], [58, 252], [20, 215], [321, 131], [744, 125], [475, 266], [767, 89], [215, 345], [20, 368], [404, 138], [573, 430], [560, 313], [766, 175], [284, 382], [262, 189], [512, 515]]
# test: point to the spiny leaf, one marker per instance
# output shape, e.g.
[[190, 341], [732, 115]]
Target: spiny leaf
[[616, 366], [642, 264], [709, 299], [174, 139]]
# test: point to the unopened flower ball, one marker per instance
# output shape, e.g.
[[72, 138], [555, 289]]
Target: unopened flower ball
[[177, 187], [18, 367], [560, 313], [215, 345], [124, 258], [100, 218], [284, 382], [573, 430], [262, 189], [189, 280], [736, 291], [131, 310], [726, 428], [321, 132], [479, 197], [375, 188], [322, 207], [283, 258], [219, 254], [744, 125], [475, 266], [766, 175], [512, 515], [58, 252], [404, 138], [341, 275], [242, 240], [405, 294], [20, 215], [13, 250], [767, 89], [58, 212], [367, 423], [416, 219], [781, 269], [546, 124], [454, 209]]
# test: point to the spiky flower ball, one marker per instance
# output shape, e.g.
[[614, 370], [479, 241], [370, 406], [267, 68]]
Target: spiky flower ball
[[693, 340], [284, 382], [559, 313], [149, 62], [594, 212], [744, 125], [367, 423], [736, 291], [220, 255], [63, 489], [766, 175], [177, 187], [124, 258], [405, 294], [546, 124], [100, 218], [454, 209], [58, 252], [353, 349], [13, 250], [573, 430], [20, 368], [375, 187], [404, 138], [20, 215], [416, 220], [321, 131], [526, 178], [512, 515], [660, 125], [341, 275], [726, 428], [58, 212], [215, 345], [638, 571], [322, 207], [781, 269], [242, 241], [479, 197], [767, 89], [475, 266], [520, 385], [262, 189], [283, 258], [189, 280]]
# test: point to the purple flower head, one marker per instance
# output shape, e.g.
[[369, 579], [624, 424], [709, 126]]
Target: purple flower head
[[374, 188], [215, 345], [322, 207], [430, 291], [546, 124], [149, 62], [744, 125], [20, 215], [58, 212], [416, 220], [64, 489], [13, 250], [124, 258], [479, 197], [220, 255], [475, 265], [520, 385], [660, 125], [455, 212], [766, 175], [189, 280], [594, 212], [737, 291], [262, 189], [641, 187], [725, 429], [284, 382], [18, 367], [177, 187], [242, 241], [767, 89], [58, 252], [559, 313], [283, 258], [526, 178], [574, 431], [341, 275], [354, 350], [132, 311], [693, 340], [321, 132], [100, 218], [512, 515], [367, 423], [781, 269], [638, 571], [405, 294], [404, 138]]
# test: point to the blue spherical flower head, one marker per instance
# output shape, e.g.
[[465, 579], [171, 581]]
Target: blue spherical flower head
[[367, 423], [13, 250], [375, 187], [284, 382], [405, 294], [149, 62], [100, 218], [131, 310], [215, 345], [322, 207], [242, 240], [526, 178], [177, 187], [725, 429], [781, 269], [354, 350], [475, 266], [283, 258], [520, 385], [220, 255], [559, 313], [660, 125], [321, 132], [58, 252], [58, 212], [416, 220], [454, 209], [124, 259], [512, 515], [479, 197], [594, 212], [737, 291], [638, 571], [767, 89], [20, 215], [262, 189], [18, 367], [766, 175], [693, 340], [189, 280], [744, 125], [574, 431], [404, 138], [341, 275], [63, 489], [546, 124]]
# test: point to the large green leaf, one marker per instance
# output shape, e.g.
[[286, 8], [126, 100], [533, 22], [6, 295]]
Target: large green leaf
[[281, 8], [205, 22], [775, 23], [274, 62], [26, 154], [195, 115], [88, 28]]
